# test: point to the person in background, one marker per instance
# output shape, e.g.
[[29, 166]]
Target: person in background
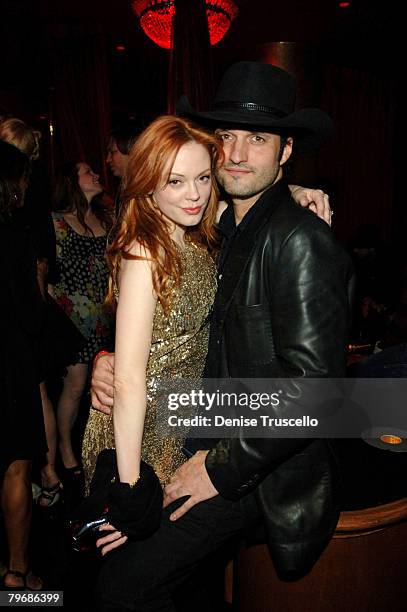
[[121, 139], [378, 278], [82, 221], [120, 142], [22, 315], [36, 212], [60, 340]]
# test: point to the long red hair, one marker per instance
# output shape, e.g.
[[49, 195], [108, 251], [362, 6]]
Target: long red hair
[[140, 220]]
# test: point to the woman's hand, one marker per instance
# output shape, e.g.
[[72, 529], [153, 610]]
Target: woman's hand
[[314, 199], [112, 540]]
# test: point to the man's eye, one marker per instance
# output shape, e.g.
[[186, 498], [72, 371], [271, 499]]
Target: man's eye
[[224, 136], [257, 138]]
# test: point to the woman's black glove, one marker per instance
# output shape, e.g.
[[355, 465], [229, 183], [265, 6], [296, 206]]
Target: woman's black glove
[[136, 510]]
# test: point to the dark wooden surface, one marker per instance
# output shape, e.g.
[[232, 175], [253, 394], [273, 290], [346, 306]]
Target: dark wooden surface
[[364, 569]]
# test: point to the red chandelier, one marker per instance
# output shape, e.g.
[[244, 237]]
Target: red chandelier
[[156, 19]]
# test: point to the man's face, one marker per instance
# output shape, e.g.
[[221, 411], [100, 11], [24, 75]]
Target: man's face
[[251, 163], [116, 160]]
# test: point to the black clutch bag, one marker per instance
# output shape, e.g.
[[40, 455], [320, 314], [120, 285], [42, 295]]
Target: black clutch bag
[[135, 510]]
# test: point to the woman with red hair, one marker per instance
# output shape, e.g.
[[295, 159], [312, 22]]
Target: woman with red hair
[[163, 278]]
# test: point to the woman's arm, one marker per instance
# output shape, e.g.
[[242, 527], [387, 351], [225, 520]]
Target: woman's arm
[[42, 271], [134, 322], [314, 199]]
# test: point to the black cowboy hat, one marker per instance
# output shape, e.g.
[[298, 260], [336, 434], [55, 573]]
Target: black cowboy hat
[[252, 94]]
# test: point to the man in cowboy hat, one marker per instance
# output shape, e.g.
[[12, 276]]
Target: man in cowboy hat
[[281, 311]]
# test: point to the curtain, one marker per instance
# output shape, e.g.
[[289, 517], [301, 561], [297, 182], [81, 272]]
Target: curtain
[[190, 68], [358, 165], [80, 100]]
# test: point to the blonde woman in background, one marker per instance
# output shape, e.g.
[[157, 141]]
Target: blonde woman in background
[[22, 314], [36, 215]]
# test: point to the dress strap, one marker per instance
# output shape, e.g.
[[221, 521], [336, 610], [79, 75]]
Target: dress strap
[[60, 225]]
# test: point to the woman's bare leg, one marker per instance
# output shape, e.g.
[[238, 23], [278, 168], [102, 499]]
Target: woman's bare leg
[[16, 502], [48, 474], [49, 477], [67, 411]]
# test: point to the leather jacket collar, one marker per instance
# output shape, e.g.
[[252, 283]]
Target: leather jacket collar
[[245, 242]]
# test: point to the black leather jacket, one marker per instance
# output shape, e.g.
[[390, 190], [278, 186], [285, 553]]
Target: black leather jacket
[[282, 310]]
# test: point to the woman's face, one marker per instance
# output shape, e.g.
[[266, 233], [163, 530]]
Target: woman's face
[[88, 180], [185, 194]]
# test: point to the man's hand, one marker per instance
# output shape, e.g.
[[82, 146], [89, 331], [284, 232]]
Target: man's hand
[[190, 479], [113, 540], [314, 199], [102, 383]]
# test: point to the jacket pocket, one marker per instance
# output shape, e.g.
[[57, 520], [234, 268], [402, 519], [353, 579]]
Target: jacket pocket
[[249, 337]]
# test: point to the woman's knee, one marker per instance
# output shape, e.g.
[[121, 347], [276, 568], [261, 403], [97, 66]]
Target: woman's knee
[[74, 384], [18, 470]]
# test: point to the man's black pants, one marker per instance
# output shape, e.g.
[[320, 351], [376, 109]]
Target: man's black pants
[[143, 576]]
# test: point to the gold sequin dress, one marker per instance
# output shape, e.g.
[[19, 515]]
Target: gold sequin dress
[[178, 350]]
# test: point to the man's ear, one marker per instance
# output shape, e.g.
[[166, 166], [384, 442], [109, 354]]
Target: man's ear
[[288, 149]]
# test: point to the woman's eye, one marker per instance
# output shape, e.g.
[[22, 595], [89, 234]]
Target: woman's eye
[[174, 182], [205, 178]]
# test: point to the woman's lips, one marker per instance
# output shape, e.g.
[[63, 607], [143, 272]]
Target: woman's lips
[[192, 211]]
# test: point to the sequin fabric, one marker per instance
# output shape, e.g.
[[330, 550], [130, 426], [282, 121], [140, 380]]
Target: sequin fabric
[[178, 350]]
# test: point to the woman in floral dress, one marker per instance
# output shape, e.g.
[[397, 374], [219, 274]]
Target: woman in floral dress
[[81, 223]]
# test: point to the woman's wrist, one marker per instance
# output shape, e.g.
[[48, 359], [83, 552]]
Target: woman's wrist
[[132, 484]]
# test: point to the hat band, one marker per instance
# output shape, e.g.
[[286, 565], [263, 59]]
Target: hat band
[[250, 106]]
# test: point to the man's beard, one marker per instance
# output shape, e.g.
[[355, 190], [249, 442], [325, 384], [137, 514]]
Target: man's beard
[[258, 182]]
